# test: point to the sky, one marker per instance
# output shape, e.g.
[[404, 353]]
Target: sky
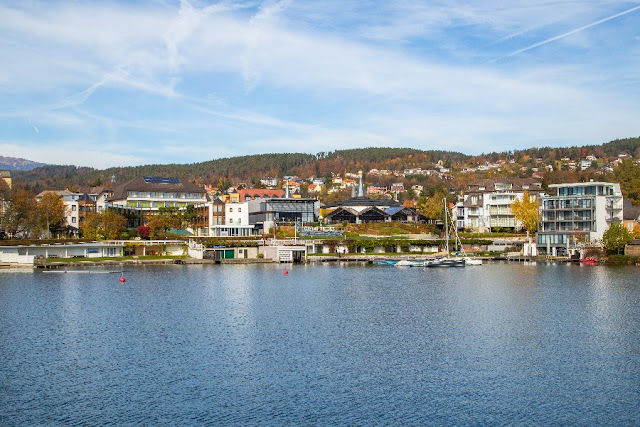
[[123, 83]]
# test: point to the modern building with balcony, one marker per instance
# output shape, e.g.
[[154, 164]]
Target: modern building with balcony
[[486, 205], [577, 213], [147, 194]]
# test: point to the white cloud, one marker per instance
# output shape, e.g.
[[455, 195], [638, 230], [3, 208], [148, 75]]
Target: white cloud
[[276, 75]]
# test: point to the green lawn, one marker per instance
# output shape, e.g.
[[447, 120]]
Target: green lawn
[[124, 258]]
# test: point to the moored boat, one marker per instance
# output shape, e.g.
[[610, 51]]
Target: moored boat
[[445, 262]]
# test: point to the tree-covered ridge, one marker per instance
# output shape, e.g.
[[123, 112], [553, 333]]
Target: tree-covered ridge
[[249, 169], [605, 151]]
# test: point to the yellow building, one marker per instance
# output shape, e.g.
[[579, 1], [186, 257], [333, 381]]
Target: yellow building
[[6, 177]]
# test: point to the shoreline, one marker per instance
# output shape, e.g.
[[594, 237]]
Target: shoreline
[[369, 259]]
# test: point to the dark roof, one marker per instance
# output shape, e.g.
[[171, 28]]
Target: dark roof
[[630, 212], [150, 184], [365, 201]]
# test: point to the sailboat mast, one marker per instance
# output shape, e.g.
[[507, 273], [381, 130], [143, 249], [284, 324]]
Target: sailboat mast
[[446, 226]]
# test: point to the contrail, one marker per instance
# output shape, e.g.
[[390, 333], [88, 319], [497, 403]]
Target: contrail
[[593, 24]]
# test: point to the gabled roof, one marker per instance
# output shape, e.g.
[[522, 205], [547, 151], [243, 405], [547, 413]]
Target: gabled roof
[[365, 201], [394, 210], [343, 209]]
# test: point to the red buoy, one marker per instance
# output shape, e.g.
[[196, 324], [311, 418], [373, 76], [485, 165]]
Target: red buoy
[[286, 272], [122, 280]]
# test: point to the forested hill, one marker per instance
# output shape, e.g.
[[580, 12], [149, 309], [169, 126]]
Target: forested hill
[[249, 169], [608, 150]]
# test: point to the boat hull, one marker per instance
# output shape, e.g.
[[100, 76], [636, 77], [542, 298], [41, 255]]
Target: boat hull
[[445, 263]]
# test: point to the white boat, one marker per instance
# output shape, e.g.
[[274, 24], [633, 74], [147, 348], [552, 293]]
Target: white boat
[[409, 263], [472, 261]]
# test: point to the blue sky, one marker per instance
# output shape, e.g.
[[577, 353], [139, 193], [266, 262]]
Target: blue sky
[[117, 83]]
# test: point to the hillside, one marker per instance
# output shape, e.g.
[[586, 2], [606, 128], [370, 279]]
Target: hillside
[[249, 169]]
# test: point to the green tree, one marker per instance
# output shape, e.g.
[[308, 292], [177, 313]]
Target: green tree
[[628, 175], [526, 212], [616, 237], [50, 213]]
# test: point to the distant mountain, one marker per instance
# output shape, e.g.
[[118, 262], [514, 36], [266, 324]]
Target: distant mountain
[[16, 164]]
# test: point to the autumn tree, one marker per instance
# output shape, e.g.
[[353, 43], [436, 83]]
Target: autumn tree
[[144, 231], [636, 231], [616, 237], [431, 206], [50, 213], [526, 212], [20, 215], [103, 225]]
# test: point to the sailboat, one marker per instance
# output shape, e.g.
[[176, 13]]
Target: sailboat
[[446, 261]]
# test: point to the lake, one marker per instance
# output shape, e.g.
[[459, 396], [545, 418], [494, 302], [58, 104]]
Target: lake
[[325, 345]]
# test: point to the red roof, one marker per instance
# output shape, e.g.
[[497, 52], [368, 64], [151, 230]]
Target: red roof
[[262, 193]]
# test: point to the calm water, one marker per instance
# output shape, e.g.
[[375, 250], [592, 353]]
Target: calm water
[[497, 344]]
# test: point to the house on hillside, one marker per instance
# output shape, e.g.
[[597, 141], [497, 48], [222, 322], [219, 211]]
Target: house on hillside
[[269, 182], [377, 189]]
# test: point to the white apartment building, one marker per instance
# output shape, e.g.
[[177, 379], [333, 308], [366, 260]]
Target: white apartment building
[[578, 213], [486, 205]]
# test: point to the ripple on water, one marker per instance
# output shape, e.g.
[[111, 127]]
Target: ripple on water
[[501, 344]]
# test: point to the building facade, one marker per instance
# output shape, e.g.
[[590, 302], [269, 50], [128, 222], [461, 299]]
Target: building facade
[[577, 213], [149, 194], [486, 205]]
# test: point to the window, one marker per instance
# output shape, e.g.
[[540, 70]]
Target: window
[[73, 219], [73, 208], [230, 209], [474, 199]]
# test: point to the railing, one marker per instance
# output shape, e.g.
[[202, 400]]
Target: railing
[[285, 242]]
